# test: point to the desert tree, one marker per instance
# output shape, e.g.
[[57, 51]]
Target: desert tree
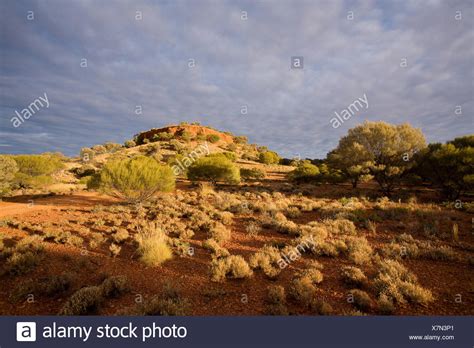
[[352, 161], [449, 167], [380, 149]]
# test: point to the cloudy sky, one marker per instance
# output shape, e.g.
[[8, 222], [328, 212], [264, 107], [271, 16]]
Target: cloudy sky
[[412, 59]]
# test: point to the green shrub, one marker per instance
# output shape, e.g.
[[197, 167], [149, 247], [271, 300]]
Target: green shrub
[[251, 174], [212, 138], [136, 179], [269, 157], [8, 169], [26, 181], [214, 169], [449, 167], [304, 172], [153, 246], [163, 136], [186, 136], [36, 170], [201, 136], [230, 155]]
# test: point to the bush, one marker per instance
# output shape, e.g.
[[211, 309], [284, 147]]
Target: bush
[[214, 169], [36, 170], [248, 174], [269, 157], [130, 143], [114, 286], [21, 263], [169, 303], [353, 276], [219, 233], [212, 138], [253, 228], [84, 301], [304, 172], [153, 246], [232, 156], [99, 149], [163, 136], [8, 169], [360, 299], [277, 300], [358, 249], [85, 170], [50, 286], [267, 259], [303, 287], [240, 139], [233, 266], [385, 304], [398, 284], [449, 167], [215, 248], [120, 236], [136, 180], [186, 136], [112, 147]]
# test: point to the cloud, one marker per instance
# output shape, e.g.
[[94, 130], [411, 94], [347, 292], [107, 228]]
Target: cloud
[[238, 62]]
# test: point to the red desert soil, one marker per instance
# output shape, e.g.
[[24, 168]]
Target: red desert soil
[[191, 273]]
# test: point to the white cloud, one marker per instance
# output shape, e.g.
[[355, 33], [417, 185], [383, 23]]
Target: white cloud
[[237, 63]]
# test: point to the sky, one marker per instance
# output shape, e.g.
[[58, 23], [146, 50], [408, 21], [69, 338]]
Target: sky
[[228, 64]]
